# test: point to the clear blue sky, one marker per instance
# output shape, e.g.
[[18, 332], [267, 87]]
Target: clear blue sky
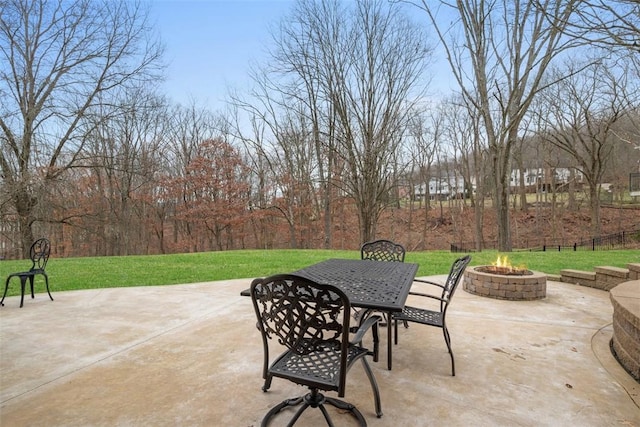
[[210, 44]]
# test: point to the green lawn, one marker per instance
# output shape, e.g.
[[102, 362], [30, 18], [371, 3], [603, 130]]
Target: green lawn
[[105, 272]]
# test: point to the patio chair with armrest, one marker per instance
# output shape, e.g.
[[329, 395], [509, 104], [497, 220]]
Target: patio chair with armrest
[[39, 255], [312, 321], [435, 317]]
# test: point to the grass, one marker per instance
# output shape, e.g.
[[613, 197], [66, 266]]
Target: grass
[[151, 270]]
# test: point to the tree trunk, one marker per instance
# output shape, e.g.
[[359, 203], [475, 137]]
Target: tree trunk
[[367, 225], [327, 220], [478, 229], [523, 190], [594, 202], [427, 206], [571, 191], [502, 205], [25, 204]]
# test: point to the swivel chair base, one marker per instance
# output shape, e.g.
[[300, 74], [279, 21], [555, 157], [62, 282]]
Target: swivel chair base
[[314, 399]]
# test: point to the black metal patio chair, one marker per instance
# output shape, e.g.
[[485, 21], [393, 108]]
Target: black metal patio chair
[[437, 316], [382, 250], [39, 254], [312, 321]]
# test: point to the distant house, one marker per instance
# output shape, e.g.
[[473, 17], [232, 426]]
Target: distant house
[[442, 188], [531, 176], [542, 178]]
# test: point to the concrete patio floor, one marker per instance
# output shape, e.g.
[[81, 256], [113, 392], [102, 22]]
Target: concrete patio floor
[[189, 355]]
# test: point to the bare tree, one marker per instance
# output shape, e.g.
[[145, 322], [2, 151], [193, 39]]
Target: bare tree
[[355, 68], [464, 132], [613, 24], [499, 52], [60, 60], [422, 142], [377, 64], [580, 118], [216, 192], [188, 128], [281, 147], [124, 154], [298, 60]]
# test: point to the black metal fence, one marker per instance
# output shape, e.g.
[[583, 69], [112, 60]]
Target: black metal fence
[[611, 241]]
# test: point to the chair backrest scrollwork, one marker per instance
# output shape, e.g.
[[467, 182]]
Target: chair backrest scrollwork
[[39, 254], [453, 279], [302, 315], [382, 250]]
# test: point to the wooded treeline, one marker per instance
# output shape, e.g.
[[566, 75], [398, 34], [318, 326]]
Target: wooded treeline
[[340, 126]]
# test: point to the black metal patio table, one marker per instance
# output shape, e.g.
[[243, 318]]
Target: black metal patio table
[[376, 285], [370, 285]]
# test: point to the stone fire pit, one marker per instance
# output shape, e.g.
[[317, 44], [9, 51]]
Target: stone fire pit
[[487, 281]]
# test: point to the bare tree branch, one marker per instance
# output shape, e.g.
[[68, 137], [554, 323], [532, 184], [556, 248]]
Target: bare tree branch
[[61, 62]]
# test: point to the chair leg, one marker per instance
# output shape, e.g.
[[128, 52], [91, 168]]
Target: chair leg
[[6, 287], [374, 387], [46, 281], [281, 406], [395, 328], [344, 406], [267, 383], [324, 413], [389, 346], [447, 340], [23, 284], [31, 278], [314, 399], [305, 405]]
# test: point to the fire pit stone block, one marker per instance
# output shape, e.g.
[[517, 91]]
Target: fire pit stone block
[[507, 287]]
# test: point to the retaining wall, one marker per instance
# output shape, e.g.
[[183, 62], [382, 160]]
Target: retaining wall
[[604, 277], [625, 343]]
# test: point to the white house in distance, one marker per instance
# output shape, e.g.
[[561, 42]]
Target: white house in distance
[[449, 187], [442, 188], [542, 177]]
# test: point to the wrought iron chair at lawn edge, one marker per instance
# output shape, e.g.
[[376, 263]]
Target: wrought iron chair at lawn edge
[[435, 318], [312, 321], [39, 255]]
